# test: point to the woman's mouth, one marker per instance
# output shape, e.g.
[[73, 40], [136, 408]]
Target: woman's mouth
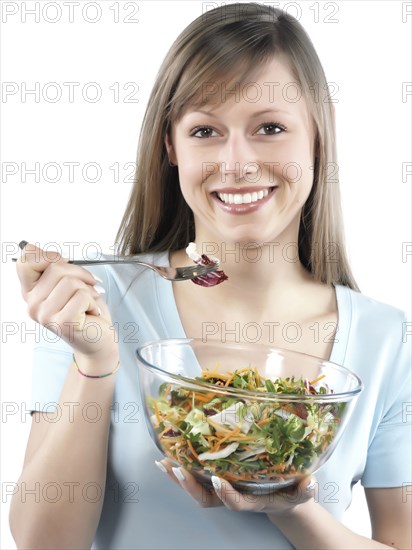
[[245, 202]]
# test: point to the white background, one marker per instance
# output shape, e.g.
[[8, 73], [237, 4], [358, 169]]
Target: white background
[[365, 52]]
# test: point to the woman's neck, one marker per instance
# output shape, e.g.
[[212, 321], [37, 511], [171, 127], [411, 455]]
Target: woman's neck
[[255, 273], [271, 296]]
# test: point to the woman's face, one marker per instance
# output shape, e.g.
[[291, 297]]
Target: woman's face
[[246, 159]]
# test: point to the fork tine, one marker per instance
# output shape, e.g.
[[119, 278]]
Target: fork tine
[[192, 270]]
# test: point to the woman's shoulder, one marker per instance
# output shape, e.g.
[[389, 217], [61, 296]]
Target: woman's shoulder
[[372, 327], [374, 340], [365, 307]]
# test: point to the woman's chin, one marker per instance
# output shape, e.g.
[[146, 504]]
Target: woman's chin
[[238, 247], [247, 239]]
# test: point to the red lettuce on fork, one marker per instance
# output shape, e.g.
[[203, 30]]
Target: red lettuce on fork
[[210, 279]]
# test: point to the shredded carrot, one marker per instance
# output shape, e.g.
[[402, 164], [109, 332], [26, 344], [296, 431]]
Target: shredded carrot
[[220, 428], [317, 379], [164, 431], [246, 369], [235, 433], [192, 449], [156, 411], [324, 445], [214, 374], [263, 422], [263, 456], [236, 477], [189, 459], [210, 438], [204, 397]]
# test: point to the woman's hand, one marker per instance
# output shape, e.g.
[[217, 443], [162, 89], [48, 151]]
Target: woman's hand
[[224, 494], [62, 297]]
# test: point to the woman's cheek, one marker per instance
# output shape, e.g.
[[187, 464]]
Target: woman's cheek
[[197, 172], [296, 166], [190, 178]]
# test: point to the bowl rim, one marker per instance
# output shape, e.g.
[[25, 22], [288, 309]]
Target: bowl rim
[[261, 396]]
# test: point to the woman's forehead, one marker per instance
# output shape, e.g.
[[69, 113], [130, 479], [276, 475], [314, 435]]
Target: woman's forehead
[[270, 82], [281, 94]]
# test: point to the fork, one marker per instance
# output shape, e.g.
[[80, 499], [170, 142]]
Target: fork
[[168, 273]]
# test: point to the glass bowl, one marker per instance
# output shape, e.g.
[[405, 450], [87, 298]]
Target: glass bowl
[[261, 417]]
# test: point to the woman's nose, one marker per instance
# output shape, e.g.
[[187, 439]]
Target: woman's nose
[[237, 160]]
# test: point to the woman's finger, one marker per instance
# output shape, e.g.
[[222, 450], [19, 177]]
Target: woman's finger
[[32, 263], [276, 502], [55, 274], [80, 304], [58, 298], [39, 277], [202, 494], [229, 497]]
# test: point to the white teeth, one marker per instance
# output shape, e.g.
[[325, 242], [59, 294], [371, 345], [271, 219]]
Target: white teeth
[[245, 198]]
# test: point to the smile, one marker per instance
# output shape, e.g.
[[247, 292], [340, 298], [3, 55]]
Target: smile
[[242, 203], [245, 198]]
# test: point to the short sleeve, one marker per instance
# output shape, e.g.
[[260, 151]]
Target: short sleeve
[[52, 358], [389, 459]]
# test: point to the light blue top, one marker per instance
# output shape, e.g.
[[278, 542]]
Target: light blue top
[[143, 509]]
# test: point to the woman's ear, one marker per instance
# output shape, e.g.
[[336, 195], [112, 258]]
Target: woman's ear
[[170, 151]]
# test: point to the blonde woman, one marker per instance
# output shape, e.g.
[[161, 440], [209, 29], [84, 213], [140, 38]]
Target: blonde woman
[[236, 154]]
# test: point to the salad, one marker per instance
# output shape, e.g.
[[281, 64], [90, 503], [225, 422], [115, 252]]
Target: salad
[[210, 279], [241, 439]]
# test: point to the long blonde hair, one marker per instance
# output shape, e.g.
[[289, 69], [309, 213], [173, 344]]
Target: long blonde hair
[[223, 42]]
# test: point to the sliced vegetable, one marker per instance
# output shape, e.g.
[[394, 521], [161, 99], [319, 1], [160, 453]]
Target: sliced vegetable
[[223, 453], [233, 416], [210, 279]]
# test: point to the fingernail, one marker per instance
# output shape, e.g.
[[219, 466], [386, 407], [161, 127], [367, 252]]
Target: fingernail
[[98, 279], [99, 312], [99, 289], [22, 244], [160, 466], [217, 484], [179, 473], [310, 485]]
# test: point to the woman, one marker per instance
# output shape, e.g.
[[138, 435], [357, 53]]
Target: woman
[[235, 154]]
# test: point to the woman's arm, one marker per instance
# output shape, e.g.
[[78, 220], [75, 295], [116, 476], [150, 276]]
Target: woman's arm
[[391, 512], [305, 523], [309, 525], [61, 489]]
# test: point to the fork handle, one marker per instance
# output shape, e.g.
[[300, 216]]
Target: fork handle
[[99, 262]]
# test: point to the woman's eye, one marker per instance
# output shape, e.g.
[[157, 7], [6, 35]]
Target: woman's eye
[[270, 129], [202, 132]]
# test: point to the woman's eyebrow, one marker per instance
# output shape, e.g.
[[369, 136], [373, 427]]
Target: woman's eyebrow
[[268, 111], [256, 114]]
